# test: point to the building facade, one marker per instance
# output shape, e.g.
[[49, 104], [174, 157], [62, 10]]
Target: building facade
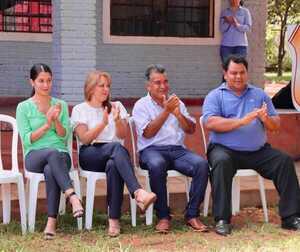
[[89, 35]]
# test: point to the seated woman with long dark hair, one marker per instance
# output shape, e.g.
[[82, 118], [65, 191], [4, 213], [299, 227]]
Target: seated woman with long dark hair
[[100, 125], [44, 126]]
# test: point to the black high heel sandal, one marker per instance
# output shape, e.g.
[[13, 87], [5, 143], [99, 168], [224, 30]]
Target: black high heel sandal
[[79, 212]]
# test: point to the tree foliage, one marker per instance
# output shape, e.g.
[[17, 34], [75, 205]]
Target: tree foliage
[[282, 13]]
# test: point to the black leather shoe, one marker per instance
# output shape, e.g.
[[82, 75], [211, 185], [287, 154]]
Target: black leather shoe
[[291, 223], [223, 227]]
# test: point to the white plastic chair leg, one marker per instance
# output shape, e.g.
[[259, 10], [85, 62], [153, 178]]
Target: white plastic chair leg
[[149, 211], [90, 194], [22, 204], [235, 195], [33, 190], [6, 202], [263, 197], [187, 188], [206, 199], [133, 211], [62, 204], [77, 190]]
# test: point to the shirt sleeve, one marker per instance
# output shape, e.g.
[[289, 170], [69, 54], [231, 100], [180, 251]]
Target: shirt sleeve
[[246, 26], [185, 113], [23, 124], [141, 118], [78, 116], [65, 120], [224, 26], [271, 109], [211, 106], [123, 111]]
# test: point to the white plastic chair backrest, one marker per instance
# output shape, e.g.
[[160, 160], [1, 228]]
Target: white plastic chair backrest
[[132, 138], [14, 146], [204, 139]]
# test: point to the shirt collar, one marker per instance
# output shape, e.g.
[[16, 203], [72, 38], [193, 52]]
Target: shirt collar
[[150, 99], [224, 86]]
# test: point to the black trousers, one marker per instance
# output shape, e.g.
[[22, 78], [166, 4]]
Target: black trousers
[[268, 162], [114, 160], [55, 165]]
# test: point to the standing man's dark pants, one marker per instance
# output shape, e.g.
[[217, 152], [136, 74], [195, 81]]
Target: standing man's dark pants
[[112, 158], [55, 165], [268, 162], [159, 159]]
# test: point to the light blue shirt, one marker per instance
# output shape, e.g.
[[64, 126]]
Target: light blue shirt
[[223, 102], [146, 110], [235, 36]]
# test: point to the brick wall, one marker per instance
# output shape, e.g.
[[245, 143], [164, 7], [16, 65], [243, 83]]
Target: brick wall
[[16, 59]]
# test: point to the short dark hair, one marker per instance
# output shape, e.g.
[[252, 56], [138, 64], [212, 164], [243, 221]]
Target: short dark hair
[[236, 59], [154, 68]]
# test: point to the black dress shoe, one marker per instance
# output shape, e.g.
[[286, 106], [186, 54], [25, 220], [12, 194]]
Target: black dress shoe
[[291, 223], [223, 227]]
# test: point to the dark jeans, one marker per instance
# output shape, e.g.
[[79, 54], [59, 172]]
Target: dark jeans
[[55, 165], [225, 51], [114, 160], [268, 162], [159, 159]]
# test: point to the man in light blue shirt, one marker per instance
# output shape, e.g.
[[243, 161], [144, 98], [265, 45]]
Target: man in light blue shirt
[[161, 123], [235, 22], [237, 115]]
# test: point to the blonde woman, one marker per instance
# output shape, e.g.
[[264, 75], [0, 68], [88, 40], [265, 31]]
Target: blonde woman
[[100, 125]]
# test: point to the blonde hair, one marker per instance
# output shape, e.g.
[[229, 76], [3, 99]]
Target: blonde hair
[[91, 81]]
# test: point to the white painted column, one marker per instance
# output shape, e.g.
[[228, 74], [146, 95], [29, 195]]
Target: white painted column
[[74, 46]]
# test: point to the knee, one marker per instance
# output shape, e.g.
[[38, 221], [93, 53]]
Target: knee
[[157, 167], [47, 171], [221, 162], [201, 168], [110, 167]]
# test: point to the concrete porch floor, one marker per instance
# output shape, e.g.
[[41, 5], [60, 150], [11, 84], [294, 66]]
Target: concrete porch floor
[[176, 186]]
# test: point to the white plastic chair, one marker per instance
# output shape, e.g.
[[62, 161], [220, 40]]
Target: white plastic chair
[[32, 186], [235, 184], [144, 173], [91, 180], [12, 176]]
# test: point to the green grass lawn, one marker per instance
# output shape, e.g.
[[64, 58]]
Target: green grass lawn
[[272, 76], [250, 234]]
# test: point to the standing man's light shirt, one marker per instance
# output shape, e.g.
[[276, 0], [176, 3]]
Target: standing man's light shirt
[[145, 110]]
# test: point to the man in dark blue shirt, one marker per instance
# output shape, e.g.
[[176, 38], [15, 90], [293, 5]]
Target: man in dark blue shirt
[[237, 115]]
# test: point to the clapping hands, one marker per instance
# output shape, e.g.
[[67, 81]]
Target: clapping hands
[[171, 104], [116, 112], [53, 113], [260, 113]]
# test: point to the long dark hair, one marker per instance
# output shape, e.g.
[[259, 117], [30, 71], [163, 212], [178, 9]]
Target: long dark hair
[[36, 70]]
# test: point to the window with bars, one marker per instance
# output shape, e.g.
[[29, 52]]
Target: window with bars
[[164, 18], [26, 16]]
